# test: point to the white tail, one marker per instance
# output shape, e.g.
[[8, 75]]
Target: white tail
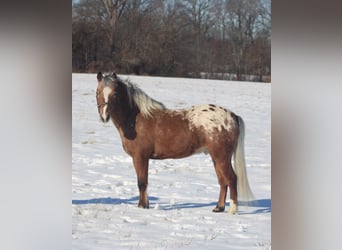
[[239, 164]]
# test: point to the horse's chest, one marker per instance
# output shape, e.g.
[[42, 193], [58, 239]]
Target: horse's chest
[[139, 145], [126, 148]]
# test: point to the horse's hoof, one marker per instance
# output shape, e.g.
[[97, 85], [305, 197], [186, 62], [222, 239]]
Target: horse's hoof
[[232, 211], [218, 209], [144, 206], [232, 208]]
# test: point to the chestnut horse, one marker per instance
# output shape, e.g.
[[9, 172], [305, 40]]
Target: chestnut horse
[[149, 130]]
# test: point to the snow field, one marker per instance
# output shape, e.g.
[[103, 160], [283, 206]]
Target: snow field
[[182, 192]]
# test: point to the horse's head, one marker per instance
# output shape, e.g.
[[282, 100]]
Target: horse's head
[[106, 91]]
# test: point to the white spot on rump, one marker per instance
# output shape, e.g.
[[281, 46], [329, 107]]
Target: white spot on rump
[[210, 117]]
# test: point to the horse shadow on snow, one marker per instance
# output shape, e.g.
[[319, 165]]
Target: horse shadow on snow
[[261, 205]]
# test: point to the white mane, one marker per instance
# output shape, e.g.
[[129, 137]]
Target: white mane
[[145, 103]]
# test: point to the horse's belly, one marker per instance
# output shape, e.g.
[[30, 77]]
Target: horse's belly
[[177, 147], [170, 155]]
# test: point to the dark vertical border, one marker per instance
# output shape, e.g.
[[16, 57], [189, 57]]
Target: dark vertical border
[[36, 108], [35, 127], [306, 124]]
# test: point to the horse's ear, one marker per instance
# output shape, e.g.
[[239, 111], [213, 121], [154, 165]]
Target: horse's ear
[[114, 75], [99, 76]]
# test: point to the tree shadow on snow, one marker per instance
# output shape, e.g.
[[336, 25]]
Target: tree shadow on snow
[[111, 201], [186, 205], [262, 206]]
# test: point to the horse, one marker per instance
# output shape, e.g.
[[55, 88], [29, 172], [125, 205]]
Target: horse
[[149, 130]]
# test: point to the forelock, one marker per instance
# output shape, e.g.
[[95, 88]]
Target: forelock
[[109, 80]]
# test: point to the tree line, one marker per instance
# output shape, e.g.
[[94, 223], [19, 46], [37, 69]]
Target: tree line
[[222, 39]]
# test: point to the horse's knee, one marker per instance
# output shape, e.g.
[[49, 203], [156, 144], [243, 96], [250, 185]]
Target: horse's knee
[[142, 184]]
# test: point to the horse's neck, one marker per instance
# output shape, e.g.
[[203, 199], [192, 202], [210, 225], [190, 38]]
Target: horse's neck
[[124, 120]]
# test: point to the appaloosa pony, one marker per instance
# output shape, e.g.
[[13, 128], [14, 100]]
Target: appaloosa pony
[[149, 130]]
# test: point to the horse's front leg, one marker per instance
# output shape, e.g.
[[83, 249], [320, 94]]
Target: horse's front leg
[[141, 168]]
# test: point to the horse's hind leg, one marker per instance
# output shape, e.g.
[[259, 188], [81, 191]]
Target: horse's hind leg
[[141, 168], [223, 189], [232, 183], [226, 178], [222, 198]]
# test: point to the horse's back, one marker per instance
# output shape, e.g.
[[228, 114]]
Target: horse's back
[[181, 133]]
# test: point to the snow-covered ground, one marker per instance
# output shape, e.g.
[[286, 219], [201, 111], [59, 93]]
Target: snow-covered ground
[[182, 192]]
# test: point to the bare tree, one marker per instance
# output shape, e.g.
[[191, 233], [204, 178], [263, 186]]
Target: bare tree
[[114, 9], [87, 31], [242, 16], [198, 16], [179, 37]]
